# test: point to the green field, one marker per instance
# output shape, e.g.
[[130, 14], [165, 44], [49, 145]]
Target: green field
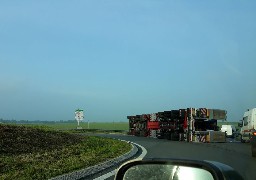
[[220, 123], [227, 123], [123, 126]]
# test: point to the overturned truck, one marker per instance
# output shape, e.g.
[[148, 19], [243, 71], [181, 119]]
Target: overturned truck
[[191, 124]]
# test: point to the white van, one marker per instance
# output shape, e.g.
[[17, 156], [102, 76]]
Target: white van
[[229, 129], [248, 125]]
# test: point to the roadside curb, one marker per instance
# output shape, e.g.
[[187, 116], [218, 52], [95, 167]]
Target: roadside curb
[[90, 171], [141, 150]]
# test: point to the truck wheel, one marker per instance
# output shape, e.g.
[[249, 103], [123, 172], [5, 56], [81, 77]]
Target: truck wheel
[[169, 136], [181, 137], [253, 151], [174, 137], [160, 136], [242, 140]]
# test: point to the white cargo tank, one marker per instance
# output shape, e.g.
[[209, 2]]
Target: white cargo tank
[[229, 129]]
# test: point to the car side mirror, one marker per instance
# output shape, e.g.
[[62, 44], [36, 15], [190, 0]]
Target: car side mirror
[[175, 169]]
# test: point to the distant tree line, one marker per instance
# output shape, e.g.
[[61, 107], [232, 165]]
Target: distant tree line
[[13, 121]]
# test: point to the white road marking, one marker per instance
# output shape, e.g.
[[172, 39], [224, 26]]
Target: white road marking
[[144, 151], [105, 176], [112, 173]]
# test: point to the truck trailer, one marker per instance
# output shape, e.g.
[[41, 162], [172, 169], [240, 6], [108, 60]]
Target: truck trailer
[[190, 124]]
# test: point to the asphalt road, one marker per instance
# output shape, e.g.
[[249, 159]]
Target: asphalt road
[[234, 154]]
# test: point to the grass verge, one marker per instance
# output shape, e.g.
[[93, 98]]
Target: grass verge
[[36, 153]]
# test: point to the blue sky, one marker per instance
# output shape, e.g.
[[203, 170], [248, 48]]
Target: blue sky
[[117, 58]]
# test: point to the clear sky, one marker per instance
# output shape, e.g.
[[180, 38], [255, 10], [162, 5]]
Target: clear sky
[[115, 58]]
